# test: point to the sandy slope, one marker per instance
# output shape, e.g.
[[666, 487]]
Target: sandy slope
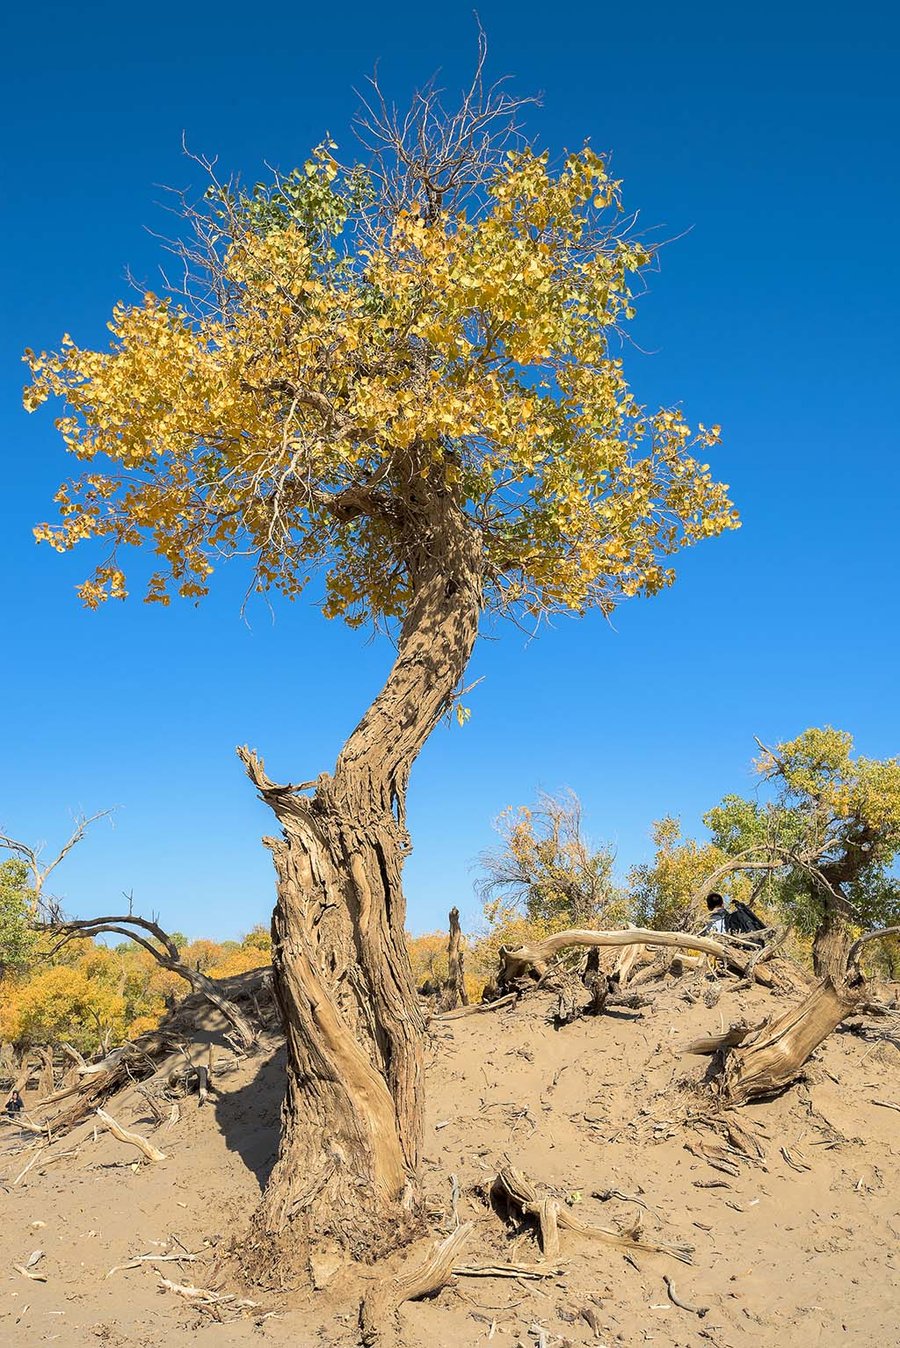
[[782, 1256]]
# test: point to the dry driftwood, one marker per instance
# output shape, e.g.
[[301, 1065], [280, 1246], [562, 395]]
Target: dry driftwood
[[676, 1300], [133, 1139], [716, 1043], [204, 1296], [507, 1270], [478, 1007], [521, 1193]]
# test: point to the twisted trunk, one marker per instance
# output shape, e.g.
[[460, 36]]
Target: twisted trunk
[[773, 1058], [346, 1172]]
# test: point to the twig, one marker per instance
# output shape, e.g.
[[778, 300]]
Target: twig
[[479, 1008], [152, 1259], [677, 1301]]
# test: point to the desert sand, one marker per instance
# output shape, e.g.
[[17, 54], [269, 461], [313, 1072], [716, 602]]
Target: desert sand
[[798, 1245]]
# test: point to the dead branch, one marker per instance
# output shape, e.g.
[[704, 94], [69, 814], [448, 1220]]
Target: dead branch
[[507, 1270], [203, 1296], [150, 936], [516, 961], [133, 1139], [521, 1193], [478, 1008], [139, 1259], [676, 1300], [32, 855], [534, 960], [854, 951], [715, 1043]]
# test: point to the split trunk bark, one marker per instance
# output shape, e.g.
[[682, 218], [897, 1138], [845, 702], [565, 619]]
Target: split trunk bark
[[351, 1123]]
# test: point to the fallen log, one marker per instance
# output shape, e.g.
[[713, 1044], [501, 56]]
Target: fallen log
[[763, 1065], [518, 961], [133, 1139]]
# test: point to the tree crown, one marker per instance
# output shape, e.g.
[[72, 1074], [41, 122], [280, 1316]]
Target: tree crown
[[350, 346]]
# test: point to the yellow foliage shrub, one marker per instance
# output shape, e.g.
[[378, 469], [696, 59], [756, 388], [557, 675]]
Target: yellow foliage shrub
[[239, 961], [64, 1004]]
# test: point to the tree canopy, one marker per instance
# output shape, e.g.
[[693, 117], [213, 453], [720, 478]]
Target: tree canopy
[[547, 870], [348, 341]]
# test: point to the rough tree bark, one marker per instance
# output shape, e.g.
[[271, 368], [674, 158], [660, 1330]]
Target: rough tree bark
[[774, 1056], [351, 1123], [832, 941]]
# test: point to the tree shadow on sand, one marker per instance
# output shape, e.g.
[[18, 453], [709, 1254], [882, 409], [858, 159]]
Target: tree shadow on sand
[[249, 1117]]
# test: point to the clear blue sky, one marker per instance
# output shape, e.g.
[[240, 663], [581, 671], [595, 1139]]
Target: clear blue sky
[[769, 132]]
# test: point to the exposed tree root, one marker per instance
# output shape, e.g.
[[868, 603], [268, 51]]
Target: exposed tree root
[[518, 1191], [379, 1307]]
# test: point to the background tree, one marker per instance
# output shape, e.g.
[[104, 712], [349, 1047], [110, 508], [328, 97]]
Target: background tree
[[17, 914], [829, 837], [406, 378], [547, 871], [664, 892]]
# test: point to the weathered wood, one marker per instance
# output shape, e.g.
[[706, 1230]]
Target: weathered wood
[[518, 1190], [425, 1279], [455, 993], [352, 1119], [773, 1058], [133, 1139]]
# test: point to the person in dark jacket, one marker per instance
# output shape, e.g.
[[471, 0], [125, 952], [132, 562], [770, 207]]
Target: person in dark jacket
[[718, 916], [14, 1103]]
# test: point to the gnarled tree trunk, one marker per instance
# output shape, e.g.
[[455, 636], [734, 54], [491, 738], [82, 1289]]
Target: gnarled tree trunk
[[774, 1057], [831, 944], [352, 1115]]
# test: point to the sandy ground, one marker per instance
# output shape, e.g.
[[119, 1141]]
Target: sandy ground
[[804, 1253]]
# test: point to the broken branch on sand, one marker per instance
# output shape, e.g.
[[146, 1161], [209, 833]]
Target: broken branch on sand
[[521, 1193], [676, 1300], [478, 1007], [133, 1139]]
